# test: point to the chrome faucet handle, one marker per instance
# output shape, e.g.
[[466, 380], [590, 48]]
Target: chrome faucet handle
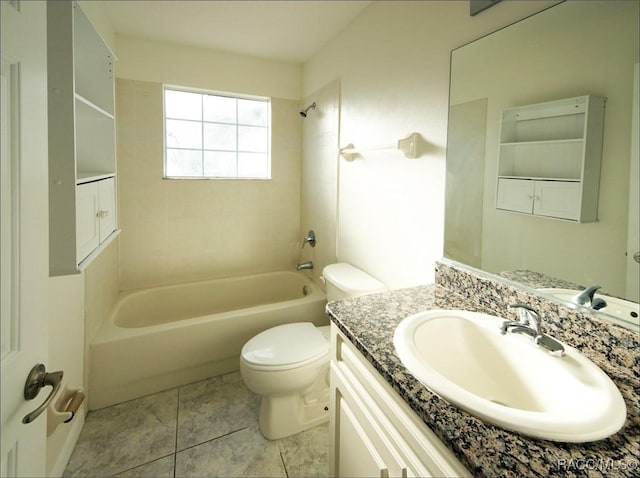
[[585, 297], [529, 317], [531, 324], [310, 238]]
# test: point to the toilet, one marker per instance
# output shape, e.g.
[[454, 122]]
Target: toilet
[[289, 364]]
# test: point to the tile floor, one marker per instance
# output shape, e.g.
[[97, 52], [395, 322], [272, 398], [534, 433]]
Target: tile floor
[[205, 429]]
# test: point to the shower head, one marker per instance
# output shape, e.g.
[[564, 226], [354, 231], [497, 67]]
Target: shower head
[[303, 112]]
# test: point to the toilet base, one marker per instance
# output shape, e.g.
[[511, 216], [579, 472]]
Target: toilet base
[[285, 415]]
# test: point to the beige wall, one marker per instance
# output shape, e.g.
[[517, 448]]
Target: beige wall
[[183, 230], [174, 64], [393, 66], [66, 343]]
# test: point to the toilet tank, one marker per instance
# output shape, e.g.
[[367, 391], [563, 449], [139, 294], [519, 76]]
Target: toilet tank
[[344, 280]]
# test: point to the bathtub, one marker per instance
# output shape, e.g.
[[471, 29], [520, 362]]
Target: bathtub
[[163, 337]]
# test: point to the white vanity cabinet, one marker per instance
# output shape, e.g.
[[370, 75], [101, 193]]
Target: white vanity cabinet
[[549, 159], [373, 431], [82, 164]]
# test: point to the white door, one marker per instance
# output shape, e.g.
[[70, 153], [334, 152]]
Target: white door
[[24, 231]]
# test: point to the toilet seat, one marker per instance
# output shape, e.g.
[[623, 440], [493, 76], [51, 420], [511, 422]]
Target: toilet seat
[[285, 347]]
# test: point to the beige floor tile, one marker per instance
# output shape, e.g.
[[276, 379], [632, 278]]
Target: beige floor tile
[[243, 453]]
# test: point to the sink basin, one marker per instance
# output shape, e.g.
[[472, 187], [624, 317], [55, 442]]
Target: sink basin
[[621, 309], [506, 379]]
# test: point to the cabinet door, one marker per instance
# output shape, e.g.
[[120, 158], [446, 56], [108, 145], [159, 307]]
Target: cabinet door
[[557, 199], [357, 455], [87, 226], [107, 210], [515, 195]]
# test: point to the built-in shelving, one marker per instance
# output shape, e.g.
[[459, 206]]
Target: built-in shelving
[[549, 158], [82, 165]]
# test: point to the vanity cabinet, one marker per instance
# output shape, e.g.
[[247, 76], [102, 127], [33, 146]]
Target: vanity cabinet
[[82, 164], [373, 431], [549, 159]]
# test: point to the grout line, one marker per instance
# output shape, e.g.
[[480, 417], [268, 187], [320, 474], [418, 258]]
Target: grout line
[[284, 465], [175, 446], [214, 438], [143, 464]]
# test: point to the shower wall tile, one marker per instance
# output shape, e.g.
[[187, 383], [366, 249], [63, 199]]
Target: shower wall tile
[[318, 195], [182, 230]]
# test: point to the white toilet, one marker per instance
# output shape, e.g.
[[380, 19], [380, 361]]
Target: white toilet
[[289, 364]]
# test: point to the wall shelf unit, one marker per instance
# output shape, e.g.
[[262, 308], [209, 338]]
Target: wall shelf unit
[[549, 158], [82, 162]]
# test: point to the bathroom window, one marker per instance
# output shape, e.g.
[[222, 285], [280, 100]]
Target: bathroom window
[[213, 135]]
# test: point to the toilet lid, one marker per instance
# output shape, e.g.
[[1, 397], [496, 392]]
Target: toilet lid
[[285, 345]]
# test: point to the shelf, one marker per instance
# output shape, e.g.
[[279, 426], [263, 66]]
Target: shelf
[[96, 252], [93, 63], [95, 137], [540, 178], [82, 143], [542, 142], [549, 158], [93, 107], [89, 176]]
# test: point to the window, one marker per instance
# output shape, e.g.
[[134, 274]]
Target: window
[[209, 135]]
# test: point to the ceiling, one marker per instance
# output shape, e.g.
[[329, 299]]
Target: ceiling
[[291, 31]]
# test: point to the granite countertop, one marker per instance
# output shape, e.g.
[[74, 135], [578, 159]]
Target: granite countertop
[[369, 322], [538, 280]]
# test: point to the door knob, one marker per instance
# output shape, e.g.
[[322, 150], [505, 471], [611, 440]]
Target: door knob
[[37, 379]]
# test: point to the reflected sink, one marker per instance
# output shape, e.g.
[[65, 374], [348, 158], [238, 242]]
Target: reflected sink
[[507, 380], [619, 308]]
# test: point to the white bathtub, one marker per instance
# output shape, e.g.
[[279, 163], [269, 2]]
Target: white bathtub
[[158, 338]]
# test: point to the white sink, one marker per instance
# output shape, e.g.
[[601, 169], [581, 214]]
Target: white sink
[[621, 309], [506, 379]]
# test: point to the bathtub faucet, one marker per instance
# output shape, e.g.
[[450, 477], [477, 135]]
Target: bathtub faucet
[[304, 266]]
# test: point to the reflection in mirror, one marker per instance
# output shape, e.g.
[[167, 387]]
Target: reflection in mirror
[[572, 49]]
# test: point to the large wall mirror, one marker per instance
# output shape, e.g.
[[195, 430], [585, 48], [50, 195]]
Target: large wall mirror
[[572, 49]]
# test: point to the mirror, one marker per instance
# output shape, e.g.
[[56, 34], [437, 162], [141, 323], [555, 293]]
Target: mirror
[[571, 49]]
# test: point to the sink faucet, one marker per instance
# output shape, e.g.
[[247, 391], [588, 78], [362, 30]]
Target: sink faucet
[[587, 299], [530, 324]]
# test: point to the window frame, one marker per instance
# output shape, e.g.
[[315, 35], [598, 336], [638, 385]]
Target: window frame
[[224, 94]]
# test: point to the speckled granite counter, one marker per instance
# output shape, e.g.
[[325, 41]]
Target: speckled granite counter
[[370, 321], [538, 280]]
